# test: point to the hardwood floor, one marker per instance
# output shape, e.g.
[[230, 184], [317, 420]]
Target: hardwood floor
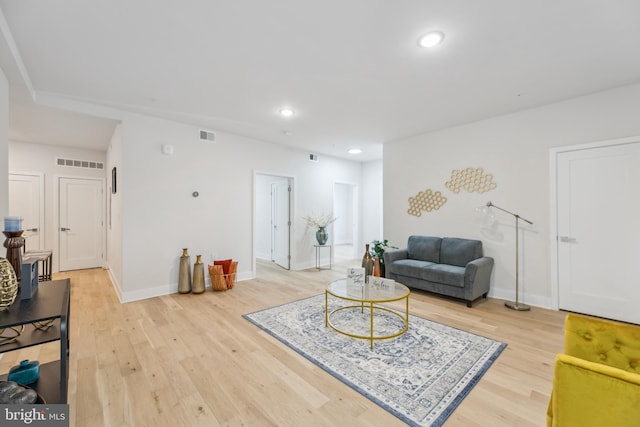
[[187, 360]]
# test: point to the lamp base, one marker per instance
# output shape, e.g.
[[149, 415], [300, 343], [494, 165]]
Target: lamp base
[[517, 306]]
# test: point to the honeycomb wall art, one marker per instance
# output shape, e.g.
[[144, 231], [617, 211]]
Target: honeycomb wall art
[[427, 200], [471, 180]]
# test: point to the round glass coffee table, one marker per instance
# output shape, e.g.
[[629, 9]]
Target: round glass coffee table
[[369, 298]]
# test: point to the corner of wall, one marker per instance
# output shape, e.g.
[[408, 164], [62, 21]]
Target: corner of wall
[[4, 144]]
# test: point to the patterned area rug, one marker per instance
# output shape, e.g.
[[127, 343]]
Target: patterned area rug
[[420, 376]]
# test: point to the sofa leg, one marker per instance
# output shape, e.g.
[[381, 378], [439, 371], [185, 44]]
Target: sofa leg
[[485, 295], [469, 303]]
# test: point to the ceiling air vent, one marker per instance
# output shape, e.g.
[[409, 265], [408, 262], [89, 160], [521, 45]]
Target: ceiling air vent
[[206, 135], [73, 163], [313, 157]]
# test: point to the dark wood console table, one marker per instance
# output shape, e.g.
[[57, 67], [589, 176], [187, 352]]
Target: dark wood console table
[[51, 302]]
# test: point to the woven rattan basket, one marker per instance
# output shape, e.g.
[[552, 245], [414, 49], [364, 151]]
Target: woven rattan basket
[[221, 281]]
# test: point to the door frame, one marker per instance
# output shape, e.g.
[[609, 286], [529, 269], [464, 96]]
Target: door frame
[[41, 221], [273, 210], [56, 216], [292, 198], [553, 205]]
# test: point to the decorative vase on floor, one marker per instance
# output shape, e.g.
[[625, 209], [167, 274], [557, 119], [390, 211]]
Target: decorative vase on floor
[[322, 235], [367, 264], [184, 275], [8, 284], [198, 276], [376, 267]]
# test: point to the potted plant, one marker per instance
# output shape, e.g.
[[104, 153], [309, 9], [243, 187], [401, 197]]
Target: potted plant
[[377, 251]]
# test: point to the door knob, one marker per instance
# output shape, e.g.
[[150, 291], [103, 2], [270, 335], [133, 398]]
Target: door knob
[[65, 229], [567, 239], [32, 229]]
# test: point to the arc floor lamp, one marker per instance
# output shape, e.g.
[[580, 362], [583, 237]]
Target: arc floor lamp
[[514, 305]]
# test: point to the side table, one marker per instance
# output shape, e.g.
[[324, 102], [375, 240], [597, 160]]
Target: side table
[[45, 259], [50, 302], [319, 256]]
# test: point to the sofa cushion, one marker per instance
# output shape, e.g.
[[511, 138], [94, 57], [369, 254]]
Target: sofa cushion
[[459, 252], [446, 274], [424, 248], [409, 267]]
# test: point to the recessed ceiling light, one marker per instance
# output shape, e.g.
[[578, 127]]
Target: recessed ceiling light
[[355, 151], [431, 39], [286, 112]]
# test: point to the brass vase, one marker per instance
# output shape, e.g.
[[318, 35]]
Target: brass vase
[[376, 267], [198, 276], [8, 284], [367, 263], [184, 275]]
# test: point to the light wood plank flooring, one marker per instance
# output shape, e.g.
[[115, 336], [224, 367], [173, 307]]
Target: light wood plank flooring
[[192, 360]]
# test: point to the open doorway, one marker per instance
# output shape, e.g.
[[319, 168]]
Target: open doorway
[[345, 229], [272, 218]]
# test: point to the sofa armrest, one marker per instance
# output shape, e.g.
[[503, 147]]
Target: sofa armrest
[[588, 393], [478, 273], [391, 255]]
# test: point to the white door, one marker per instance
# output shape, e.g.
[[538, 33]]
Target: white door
[[80, 223], [280, 223], [599, 231], [26, 200]]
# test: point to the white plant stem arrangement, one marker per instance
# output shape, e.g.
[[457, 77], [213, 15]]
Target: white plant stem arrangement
[[321, 220]]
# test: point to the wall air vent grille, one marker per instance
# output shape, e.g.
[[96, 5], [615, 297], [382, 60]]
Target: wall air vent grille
[[206, 135], [73, 163]]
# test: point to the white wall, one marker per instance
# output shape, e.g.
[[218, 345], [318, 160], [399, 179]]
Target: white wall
[[114, 209], [515, 149], [153, 214], [372, 197], [160, 216], [4, 146], [25, 157], [344, 211]]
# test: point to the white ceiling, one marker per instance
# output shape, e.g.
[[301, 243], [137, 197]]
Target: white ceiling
[[351, 70]]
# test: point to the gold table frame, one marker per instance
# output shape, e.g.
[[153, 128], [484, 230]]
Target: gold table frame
[[370, 298]]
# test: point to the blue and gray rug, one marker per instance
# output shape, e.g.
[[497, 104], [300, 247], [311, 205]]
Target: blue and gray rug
[[420, 376]]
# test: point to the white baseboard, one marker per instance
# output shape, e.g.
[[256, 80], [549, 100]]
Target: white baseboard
[[116, 285], [168, 289], [532, 300]]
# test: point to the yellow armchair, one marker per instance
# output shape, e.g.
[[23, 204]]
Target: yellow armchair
[[597, 381]]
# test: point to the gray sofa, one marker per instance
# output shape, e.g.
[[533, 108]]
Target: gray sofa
[[448, 266]]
